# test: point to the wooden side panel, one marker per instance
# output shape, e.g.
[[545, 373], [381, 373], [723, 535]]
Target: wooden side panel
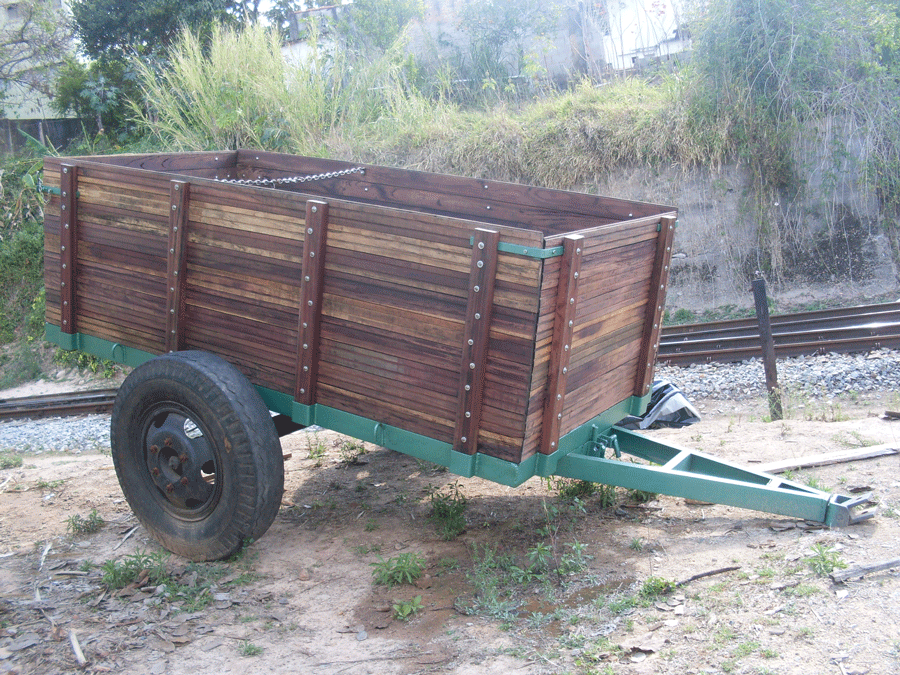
[[393, 325], [244, 263], [613, 320]]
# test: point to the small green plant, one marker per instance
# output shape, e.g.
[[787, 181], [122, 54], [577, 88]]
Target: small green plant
[[401, 569], [315, 449], [371, 525], [448, 508], [606, 496], [79, 525], [351, 451], [118, 574], [9, 460], [247, 648], [641, 496], [637, 544], [825, 560], [49, 484], [653, 587], [567, 488], [404, 610], [85, 361]]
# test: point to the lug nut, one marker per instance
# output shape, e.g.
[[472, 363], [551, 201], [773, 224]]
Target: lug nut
[[184, 480], [168, 441], [170, 487], [154, 449], [154, 471], [183, 458]]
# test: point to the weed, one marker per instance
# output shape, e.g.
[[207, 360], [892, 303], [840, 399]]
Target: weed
[[825, 560], [816, 484], [449, 564], [371, 525], [606, 496], [119, 574], [637, 544], [247, 648], [401, 569], [78, 525], [9, 460], [448, 508], [745, 649], [351, 451], [724, 634], [768, 653], [567, 488], [641, 496], [363, 549], [653, 587], [802, 590], [315, 449], [404, 610], [49, 484], [621, 605], [85, 361]]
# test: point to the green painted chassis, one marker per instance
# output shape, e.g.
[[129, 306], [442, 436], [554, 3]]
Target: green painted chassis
[[581, 454]]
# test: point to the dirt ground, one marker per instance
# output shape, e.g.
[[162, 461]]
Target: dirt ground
[[303, 598]]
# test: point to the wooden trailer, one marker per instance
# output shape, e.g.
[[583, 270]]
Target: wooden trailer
[[497, 329]]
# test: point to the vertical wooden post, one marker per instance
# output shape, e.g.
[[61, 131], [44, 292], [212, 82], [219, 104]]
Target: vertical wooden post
[[482, 276], [656, 300], [178, 218], [68, 252], [561, 344], [311, 285], [768, 346]]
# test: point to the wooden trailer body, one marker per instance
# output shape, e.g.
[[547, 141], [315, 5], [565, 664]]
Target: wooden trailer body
[[485, 326]]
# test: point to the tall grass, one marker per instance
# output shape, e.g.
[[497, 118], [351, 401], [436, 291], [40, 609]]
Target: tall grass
[[240, 91]]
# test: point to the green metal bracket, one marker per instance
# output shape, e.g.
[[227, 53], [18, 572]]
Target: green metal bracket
[[528, 252], [694, 475]]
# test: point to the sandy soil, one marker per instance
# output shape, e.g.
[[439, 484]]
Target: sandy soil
[[303, 599]]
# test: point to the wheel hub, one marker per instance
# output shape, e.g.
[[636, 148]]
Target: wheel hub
[[181, 463]]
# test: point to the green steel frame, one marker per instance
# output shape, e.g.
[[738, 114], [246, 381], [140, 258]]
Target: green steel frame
[[581, 453]]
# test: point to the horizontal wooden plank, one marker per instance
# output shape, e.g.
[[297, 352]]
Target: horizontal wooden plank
[[252, 263], [169, 162], [242, 289], [248, 219]]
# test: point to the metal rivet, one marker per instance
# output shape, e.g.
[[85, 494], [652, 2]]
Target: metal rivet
[[171, 290], [305, 325], [305, 369], [656, 325], [174, 207], [629, 215], [303, 391], [309, 231], [171, 250], [65, 303], [64, 265], [575, 275], [662, 286], [65, 194], [175, 229], [481, 245], [566, 348], [171, 311], [63, 283], [306, 278], [488, 207], [67, 226], [315, 209], [305, 346], [65, 322], [559, 397], [463, 439], [63, 207], [571, 301], [577, 250], [312, 254], [177, 186], [65, 171], [468, 414], [471, 342], [476, 289], [471, 366], [173, 332], [553, 445], [479, 264], [559, 417], [468, 387], [565, 370], [175, 273], [485, 187], [571, 323], [477, 315], [310, 303]]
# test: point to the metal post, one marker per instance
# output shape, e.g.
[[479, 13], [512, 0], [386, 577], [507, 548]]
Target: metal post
[[768, 346]]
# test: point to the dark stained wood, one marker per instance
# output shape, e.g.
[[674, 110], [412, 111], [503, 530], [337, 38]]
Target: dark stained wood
[[311, 289], [475, 347], [179, 198], [659, 281], [68, 256], [561, 345]]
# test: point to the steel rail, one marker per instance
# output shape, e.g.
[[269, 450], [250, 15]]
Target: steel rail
[[58, 405], [849, 330]]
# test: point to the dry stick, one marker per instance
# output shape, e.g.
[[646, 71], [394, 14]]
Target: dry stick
[[125, 538], [79, 655], [44, 554], [722, 570], [844, 575]]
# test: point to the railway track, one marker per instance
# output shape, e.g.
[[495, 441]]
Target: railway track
[[853, 329], [58, 405]]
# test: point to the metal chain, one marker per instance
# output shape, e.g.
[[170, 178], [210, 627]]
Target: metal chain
[[293, 180]]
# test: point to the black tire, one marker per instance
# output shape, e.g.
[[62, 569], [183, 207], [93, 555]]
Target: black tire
[[196, 454]]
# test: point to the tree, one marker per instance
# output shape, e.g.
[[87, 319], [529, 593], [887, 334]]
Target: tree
[[368, 26], [34, 40], [115, 28], [100, 91]]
